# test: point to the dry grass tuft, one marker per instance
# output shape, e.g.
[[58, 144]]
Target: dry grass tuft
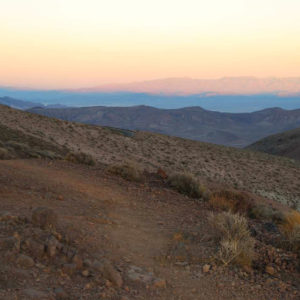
[[233, 201], [235, 242], [188, 185], [80, 158], [291, 230], [4, 153], [128, 171]]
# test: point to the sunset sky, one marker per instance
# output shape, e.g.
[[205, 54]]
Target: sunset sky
[[81, 43]]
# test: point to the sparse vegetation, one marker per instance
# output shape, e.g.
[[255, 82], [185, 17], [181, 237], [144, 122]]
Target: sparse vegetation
[[4, 153], [266, 213], [188, 185], [230, 200], [235, 244], [128, 171], [291, 230], [80, 158]]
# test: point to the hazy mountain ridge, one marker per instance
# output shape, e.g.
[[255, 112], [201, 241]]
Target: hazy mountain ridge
[[245, 94], [16, 103], [226, 85], [195, 123], [20, 104]]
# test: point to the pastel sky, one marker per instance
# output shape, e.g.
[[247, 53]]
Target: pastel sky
[[81, 43]]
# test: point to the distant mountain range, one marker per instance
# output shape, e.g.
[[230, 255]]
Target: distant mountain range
[[284, 144], [242, 94], [223, 86], [20, 104], [239, 130]]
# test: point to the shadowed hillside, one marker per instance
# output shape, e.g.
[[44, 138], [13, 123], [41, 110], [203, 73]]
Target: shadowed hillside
[[195, 123], [284, 144]]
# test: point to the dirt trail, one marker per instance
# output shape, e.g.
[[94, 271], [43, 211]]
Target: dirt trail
[[129, 224]]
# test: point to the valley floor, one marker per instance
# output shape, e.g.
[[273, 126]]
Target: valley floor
[[158, 240]]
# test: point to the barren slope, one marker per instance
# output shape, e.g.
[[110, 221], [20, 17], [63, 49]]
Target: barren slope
[[270, 176], [133, 226]]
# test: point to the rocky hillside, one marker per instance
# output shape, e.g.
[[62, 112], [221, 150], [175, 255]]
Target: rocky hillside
[[270, 176], [284, 144], [143, 229], [195, 123]]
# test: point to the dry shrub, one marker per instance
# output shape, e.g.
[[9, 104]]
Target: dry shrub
[[233, 201], [128, 171], [80, 158], [235, 242], [4, 153], [266, 213], [188, 185], [291, 230]]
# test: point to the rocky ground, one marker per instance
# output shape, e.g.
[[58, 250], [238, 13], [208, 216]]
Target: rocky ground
[[70, 231]]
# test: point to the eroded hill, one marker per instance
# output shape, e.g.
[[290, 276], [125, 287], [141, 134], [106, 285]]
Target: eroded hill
[[285, 144], [195, 123]]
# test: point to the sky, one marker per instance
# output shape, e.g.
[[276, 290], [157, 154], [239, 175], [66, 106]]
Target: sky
[[85, 43]]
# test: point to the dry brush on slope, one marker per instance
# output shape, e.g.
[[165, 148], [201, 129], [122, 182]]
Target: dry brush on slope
[[270, 176]]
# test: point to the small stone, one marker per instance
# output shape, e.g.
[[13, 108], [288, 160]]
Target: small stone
[[44, 217], [7, 216], [60, 293], [69, 269], [10, 243], [110, 273], [60, 198], [33, 294], [161, 173], [160, 283], [36, 249], [85, 273], [25, 261], [87, 263], [78, 261], [88, 286], [206, 268], [270, 270]]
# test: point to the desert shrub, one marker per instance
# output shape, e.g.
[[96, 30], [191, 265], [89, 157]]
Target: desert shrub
[[4, 154], [291, 230], [128, 171], [188, 185], [17, 146], [266, 213], [229, 200], [47, 154], [80, 158], [234, 238]]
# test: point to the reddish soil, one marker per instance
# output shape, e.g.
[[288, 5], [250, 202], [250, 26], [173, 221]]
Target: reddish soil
[[144, 225]]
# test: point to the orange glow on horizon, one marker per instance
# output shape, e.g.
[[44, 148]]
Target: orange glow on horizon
[[72, 44]]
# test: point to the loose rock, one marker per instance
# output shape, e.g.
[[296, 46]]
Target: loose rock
[[44, 217], [25, 261]]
